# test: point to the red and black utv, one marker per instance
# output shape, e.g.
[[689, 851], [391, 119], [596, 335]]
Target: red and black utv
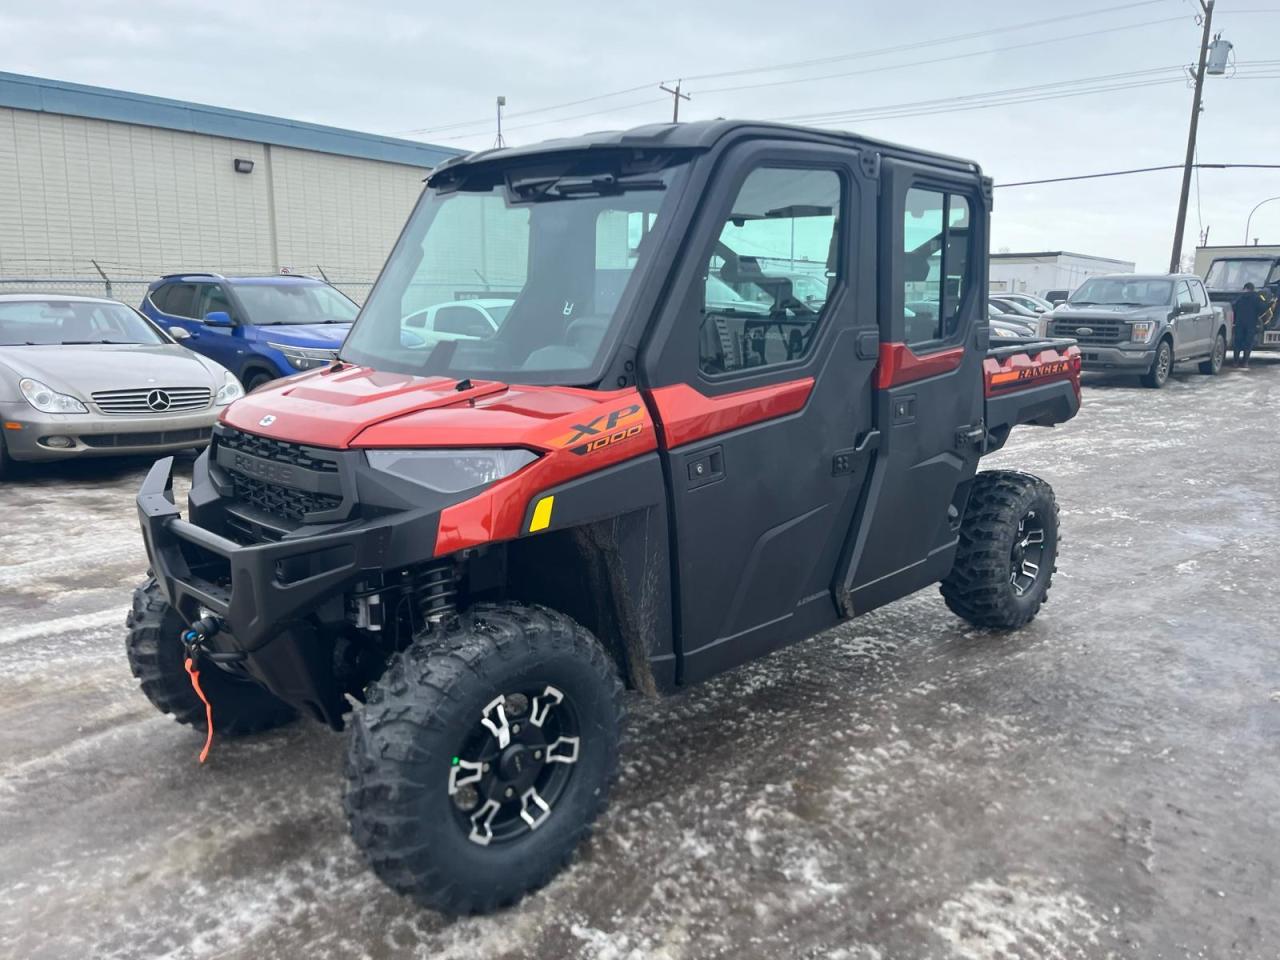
[[625, 410]]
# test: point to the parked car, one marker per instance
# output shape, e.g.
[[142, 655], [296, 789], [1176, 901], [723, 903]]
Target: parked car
[[1012, 307], [260, 328], [85, 376], [1143, 324], [1006, 325], [1028, 300], [474, 319]]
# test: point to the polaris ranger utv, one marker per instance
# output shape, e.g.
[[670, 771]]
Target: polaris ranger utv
[[461, 543]]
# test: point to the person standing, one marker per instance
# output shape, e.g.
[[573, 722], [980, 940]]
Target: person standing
[[1248, 307]]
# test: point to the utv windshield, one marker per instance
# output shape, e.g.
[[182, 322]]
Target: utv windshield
[[1234, 274], [552, 247], [1123, 293]]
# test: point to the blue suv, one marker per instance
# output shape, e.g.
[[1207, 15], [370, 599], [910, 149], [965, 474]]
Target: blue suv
[[259, 328]]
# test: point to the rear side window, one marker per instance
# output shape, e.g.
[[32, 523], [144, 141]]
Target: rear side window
[[936, 263], [177, 299], [771, 271]]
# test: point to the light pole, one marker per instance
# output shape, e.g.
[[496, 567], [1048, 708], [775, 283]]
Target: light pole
[[1250, 219]]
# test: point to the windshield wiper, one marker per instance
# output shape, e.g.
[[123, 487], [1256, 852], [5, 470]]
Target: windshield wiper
[[81, 343]]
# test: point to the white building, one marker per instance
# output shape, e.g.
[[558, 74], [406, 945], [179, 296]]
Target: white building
[[1039, 273], [100, 182]]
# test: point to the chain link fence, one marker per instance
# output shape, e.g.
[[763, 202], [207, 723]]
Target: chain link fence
[[101, 280]]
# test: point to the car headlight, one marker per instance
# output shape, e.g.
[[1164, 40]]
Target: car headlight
[[305, 358], [230, 390], [47, 400], [1141, 331], [450, 471]]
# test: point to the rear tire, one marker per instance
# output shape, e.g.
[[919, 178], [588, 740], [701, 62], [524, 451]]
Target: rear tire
[[1213, 366], [157, 657], [443, 811], [1008, 549], [1161, 367]]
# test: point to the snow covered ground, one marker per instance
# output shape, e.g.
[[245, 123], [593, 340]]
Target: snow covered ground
[[1103, 783]]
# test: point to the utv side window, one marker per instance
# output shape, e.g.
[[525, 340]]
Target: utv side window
[[771, 271], [936, 259]]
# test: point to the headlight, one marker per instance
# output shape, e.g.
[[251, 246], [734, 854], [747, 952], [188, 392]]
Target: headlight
[[47, 400], [450, 471], [1141, 332], [305, 358], [230, 390]]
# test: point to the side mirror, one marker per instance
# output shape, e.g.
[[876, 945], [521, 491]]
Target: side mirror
[[218, 318], [1186, 308], [179, 333]]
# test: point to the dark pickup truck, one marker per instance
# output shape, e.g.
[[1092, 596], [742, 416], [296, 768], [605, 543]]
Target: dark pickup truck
[[1225, 280], [1143, 324], [462, 549]]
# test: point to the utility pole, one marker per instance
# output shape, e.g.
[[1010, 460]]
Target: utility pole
[[676, 97], [499, 143], [1175, 260]]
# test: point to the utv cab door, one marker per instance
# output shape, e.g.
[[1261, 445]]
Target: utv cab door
[[759, 375], [929, 400]]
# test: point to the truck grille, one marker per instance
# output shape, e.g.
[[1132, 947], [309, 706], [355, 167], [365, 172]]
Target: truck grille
[[309, 481], [1098, 331], [158, 400], [281, 501]]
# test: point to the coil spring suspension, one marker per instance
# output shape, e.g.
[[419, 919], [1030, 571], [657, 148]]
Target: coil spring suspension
[[435, 591]]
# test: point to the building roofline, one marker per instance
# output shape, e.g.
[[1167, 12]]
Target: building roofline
[[1056, 253], [101, 103]]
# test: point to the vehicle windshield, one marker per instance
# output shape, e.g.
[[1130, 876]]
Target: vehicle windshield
[[294, 301], [1123, 291], [56, 322], [1234, 274], [556, 245]]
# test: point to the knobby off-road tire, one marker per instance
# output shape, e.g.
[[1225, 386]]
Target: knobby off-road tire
[[157, 657], [421, 728], [1161, 367], [1213, 365], [1011, 521]]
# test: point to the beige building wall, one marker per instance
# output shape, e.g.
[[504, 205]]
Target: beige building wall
[[144, 201]]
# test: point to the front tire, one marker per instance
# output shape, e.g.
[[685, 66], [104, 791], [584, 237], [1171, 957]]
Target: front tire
[[482, 756], [1213, 366], [1161, 367], [6, 464], [157, 657], [1008, 549]]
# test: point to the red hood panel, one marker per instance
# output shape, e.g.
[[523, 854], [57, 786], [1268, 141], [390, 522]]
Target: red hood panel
[[329, 408]]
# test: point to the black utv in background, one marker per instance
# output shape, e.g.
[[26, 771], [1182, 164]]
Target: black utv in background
[[1143, 324]]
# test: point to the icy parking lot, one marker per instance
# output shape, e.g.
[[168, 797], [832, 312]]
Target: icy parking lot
[[1102, 783]]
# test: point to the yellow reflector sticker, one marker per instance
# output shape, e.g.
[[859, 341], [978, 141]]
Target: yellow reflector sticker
[[541, 515]]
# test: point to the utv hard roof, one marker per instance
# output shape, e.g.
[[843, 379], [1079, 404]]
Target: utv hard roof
[[702, 135]]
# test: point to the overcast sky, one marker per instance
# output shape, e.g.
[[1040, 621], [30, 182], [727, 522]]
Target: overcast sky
[[395, 67]]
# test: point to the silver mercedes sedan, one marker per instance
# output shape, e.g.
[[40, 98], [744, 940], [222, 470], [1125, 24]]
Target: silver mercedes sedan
[[86, 376]]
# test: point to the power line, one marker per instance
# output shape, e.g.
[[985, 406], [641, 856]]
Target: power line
[[814, 62], [1136, 170], [956, 38], [947, 59]]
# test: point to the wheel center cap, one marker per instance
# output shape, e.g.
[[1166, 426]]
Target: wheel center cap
[[514, 762]]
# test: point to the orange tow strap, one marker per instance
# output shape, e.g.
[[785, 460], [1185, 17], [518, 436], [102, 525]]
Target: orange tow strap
[[194, 674]]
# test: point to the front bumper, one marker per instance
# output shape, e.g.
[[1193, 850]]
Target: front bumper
[[96, 435], [1136, 359], [282, 601]]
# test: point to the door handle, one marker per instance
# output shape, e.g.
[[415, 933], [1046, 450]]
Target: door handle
[[705, 467]]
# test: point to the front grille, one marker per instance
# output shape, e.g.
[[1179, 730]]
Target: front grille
[[153, 438], [158, 400], [281, 501], [312, 484], [278, 450], [1099, 331]]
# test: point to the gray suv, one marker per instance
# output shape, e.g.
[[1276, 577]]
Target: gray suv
[[1143, 324]]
